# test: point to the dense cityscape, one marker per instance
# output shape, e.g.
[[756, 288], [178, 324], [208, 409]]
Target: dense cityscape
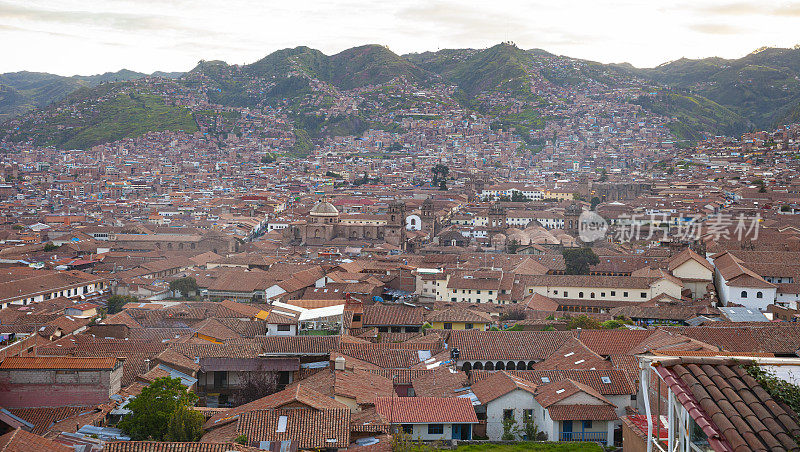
[[464, 249]]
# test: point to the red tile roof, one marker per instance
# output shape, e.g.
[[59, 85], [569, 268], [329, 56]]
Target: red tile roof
[[582, 412], [42, 362], [311, 429], [425, 410]]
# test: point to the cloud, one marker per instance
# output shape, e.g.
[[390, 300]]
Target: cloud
[[715, 29]]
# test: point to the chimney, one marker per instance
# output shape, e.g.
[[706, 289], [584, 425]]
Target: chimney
[[147, 365], [339, 363]]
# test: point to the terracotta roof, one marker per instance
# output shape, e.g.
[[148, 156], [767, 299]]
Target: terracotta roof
[[21, 441], [582, 412], [507, 345], [41, 362], [425, 410], [573, 355], [310, 428], [500, 384], [440, 382], [731, 407], [458, 315], [382, 314], [297, 394], [618, 382], [152, 446], [554, 393]]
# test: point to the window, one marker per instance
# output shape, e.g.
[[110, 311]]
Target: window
[[587, 424], [605, 380], [453, 299], [435, 429], [591, 295], [448, 326], [383, 329], [555, 292], [759, 294], [625, 294], [408, 428], [478, 292], [508, 414], [356, 317], [490, 292], [613, 293], [744, 294], [468, 326], [284, 327], [396, 329], [566, 294], [644, 294], [580, 294]]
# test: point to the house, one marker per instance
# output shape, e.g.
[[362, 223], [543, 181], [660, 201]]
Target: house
[[695, 272], [82, 310], [739, 285], [459, 319], [714, 404], [429, 418], [34, 381], [572, 411], [503, 396], [305, 417]]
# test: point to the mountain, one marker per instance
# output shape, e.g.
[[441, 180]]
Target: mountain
[[501, 67], [354, 90], [101, 114], [23, 91], [762, 87]]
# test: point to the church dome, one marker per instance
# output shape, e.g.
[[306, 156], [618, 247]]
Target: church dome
[[324, 209]]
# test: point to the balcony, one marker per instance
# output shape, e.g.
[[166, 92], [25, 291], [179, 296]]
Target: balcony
[[597, 437]]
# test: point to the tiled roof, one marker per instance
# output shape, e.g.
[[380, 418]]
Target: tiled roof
[[731, 407], [458, 315], [440, 382], [382, 314], [582, 412], [777, 338], [152, 446], [41, 362], [612, 342], [507, 345], [21, 441], [294, 395], [618, 382], [42, 418], [500, 384], [311, 429], [423, 410], [555, 392], [573, 355]]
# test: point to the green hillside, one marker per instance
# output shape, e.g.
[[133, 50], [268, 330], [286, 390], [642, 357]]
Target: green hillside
[[693, 115], [99, 115], [760, 87]]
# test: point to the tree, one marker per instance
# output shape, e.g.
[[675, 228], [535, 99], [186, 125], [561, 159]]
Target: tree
[[517, 196], [116, 302], [269, 158], [185, 424], [584, 322], [595, 202], [153, 408], [440, 172], [443, 185], [184, 285], [579, 260], [50, 246], [256, 386], [603, 175], [509, 428]]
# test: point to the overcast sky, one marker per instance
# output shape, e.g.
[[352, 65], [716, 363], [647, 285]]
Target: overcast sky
[[87, 37]]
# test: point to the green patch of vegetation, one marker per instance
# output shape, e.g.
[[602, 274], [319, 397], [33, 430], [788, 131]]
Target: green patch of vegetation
[[780, 390], [694, 115], [532, 446], [115, 117]]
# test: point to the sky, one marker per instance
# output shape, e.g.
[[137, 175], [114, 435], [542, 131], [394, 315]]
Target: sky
[[85, 37]]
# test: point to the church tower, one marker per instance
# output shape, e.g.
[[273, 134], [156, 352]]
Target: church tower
[[496, 220], [428, 216], [396, 224]]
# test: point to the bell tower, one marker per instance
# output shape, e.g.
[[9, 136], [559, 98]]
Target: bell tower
[[396, 224]]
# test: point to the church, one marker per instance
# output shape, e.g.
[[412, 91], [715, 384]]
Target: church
[[325, 224]]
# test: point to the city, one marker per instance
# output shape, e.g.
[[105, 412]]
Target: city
[[462, 249]]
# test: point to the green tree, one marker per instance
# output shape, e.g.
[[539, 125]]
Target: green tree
[[185, 286], [443, 185], [50, 246], [603, 175], [509, 429], [517, 196], [595, 202], [185, 425], [440, 172], [584, 322], [116, 302], [579, 260], [153, 409]]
